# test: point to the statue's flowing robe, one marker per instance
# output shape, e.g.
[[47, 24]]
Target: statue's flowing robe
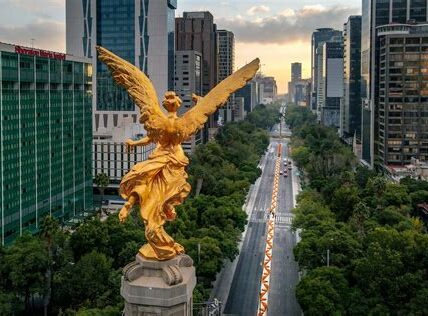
[[160, 183]]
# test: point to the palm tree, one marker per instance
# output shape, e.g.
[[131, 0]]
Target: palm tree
[[102, 181], [48, 229]]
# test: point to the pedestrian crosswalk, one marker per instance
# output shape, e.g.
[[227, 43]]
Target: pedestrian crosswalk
[[284, 220], [263, 217]]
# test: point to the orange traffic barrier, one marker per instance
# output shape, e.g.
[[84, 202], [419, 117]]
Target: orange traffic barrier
[[267, 262]]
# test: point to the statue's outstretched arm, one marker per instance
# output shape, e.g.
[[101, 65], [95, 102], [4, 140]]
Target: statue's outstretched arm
[[196, 98], [141, 142]]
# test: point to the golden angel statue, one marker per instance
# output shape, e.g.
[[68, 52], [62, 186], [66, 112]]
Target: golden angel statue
[[159, 183]]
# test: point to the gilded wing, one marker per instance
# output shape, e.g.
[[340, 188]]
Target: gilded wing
[[196, 117], [139, 88]]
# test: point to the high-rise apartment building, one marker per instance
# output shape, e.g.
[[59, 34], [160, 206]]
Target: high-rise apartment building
[[296, 72], [350, 106], [46, 138], [141, 32], [226, 66], [377, 13], [188, 81], [197, 31], [403, 94], [297, 87], [319, 37], [330, 94]]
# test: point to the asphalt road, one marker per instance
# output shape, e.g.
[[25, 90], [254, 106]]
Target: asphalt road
[[244, 291], [245, 288], [284, 277]]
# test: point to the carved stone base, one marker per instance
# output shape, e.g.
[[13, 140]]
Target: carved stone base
[[158, 288]]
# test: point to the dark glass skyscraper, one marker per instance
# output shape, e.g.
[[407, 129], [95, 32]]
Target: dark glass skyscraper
[[296, 72], [116, 32], [350, 107]]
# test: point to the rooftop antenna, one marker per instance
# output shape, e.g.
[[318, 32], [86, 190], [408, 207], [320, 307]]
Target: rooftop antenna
[[32, 42]]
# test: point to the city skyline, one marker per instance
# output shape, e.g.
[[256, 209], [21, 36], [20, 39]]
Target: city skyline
[[289, 26]]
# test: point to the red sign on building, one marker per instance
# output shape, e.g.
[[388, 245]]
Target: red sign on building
[[39, 52]]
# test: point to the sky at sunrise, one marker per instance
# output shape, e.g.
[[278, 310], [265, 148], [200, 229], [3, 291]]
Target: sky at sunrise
[[277, 31]]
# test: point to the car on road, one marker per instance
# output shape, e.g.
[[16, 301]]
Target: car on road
[[290, 167], [286, 174], [280, 172]]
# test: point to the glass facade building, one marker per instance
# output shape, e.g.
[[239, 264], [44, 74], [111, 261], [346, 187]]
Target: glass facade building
[[319, 37], [197, 31], [350, 106], [46, 138], [375, 14], [116, 32], [139, 31], [330, 95], [403, 94]]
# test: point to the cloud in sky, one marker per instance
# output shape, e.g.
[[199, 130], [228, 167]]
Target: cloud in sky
[[258, 9], [47, 34], [289, 25], [36, 6]]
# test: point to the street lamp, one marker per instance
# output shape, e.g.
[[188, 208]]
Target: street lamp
[[328, 257], [328, 254]]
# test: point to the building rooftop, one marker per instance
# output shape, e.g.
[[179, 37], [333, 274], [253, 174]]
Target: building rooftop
[[32, 51]]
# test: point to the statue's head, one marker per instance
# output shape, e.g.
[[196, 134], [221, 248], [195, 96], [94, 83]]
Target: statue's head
[[171, 102]]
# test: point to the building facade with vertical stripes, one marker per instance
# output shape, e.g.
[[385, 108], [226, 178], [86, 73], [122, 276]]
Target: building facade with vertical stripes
[[375, 14], [140, 31], [45, 138]]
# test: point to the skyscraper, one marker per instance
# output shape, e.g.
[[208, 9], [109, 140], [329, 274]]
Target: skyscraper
[[403, 94], [350, 106], [378, 13], [296, 72], [188, 81], [330, 94], [141, 32], [319, 37], [46, 138], [196, 31], [250, 93], [226, 65]]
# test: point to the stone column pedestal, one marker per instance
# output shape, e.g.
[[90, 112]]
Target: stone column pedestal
[[158, 288]]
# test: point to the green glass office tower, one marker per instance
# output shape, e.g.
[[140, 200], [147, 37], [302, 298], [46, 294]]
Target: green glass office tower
[[45, 139]]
